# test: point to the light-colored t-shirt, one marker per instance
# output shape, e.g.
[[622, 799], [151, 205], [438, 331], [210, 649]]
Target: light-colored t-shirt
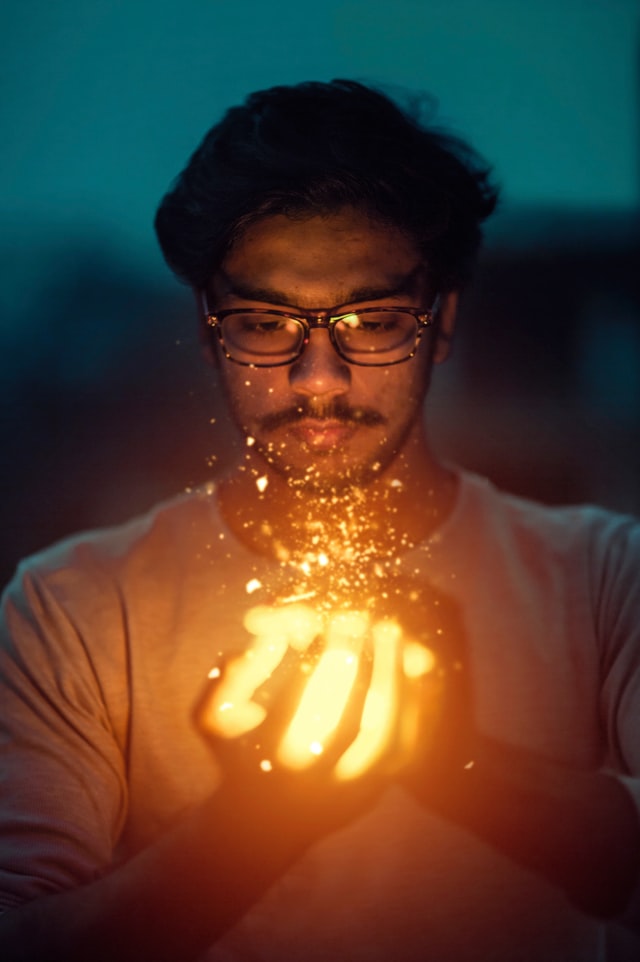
[[107, 642]]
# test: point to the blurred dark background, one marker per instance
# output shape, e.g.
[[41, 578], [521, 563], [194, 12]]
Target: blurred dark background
[[106, 404]]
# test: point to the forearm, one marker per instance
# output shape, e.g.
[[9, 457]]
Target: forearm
[[169, 902], [580, 830]]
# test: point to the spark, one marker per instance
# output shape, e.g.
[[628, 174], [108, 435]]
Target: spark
[[266, 765], [290, 599], [214, 673], [249, 441], [316, 748], [417, 660], [252, 586], [262, 482]]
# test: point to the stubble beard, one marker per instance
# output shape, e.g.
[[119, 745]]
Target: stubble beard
[[320, 478]]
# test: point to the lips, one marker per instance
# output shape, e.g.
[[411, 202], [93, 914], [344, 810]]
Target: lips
[[323, 435]]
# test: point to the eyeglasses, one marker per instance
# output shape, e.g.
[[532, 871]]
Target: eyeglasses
[[372, 336]]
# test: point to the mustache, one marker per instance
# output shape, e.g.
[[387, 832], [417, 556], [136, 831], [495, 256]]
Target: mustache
[[335, 410]]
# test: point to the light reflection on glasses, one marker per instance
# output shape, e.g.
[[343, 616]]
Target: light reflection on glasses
[[372, 336]]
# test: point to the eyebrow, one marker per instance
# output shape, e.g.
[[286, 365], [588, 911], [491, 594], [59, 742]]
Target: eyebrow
[[270, 295]]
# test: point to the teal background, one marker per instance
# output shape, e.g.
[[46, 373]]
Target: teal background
[[105, 403], [103, 99]]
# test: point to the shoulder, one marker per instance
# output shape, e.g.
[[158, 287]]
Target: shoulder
[[92, 568], [176, 521], [584, 528]]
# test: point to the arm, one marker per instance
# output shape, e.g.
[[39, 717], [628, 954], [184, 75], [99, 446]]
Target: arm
[[175, 898], [181, 894], [578, 829]]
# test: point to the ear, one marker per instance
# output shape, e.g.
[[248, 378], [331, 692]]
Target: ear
[[204, 336], [446, 323]]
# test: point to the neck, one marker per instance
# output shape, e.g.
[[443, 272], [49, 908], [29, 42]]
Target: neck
[[385, 517]]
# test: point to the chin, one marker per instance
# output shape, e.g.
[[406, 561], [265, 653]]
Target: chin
[[324, 476]]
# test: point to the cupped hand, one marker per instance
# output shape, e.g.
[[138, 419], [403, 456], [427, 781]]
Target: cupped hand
[[300, 806]]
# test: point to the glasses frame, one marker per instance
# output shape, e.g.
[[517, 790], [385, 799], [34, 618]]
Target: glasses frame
[[312, 320]]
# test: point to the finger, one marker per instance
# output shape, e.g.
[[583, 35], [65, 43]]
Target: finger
[[283, 697], [351, 720]]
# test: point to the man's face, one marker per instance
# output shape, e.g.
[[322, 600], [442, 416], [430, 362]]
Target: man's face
[[322, 421]]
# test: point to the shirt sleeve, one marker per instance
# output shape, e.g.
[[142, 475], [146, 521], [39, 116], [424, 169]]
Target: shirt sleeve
[[615, 572], [63, 789]]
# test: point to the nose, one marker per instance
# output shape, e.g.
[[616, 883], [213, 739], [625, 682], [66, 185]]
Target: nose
[[320, 372]]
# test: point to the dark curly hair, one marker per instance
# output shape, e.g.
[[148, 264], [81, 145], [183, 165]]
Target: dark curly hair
[[314, 148]]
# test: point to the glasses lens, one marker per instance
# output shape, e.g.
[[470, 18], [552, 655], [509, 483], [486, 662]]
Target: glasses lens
[[376, 337], [261, 337]]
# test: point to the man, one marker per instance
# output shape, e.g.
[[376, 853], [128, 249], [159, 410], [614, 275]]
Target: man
[[150, 814]]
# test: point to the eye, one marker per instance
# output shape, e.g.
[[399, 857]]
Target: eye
[[381, 324], [262, 324]]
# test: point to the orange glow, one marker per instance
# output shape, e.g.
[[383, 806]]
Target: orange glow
[[346, 636], [381, 706], [321, 707]]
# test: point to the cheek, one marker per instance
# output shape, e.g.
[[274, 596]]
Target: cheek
[[401, 387], [249, 390]]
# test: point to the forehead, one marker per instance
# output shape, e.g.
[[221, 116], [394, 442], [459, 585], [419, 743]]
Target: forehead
[[317, 259]]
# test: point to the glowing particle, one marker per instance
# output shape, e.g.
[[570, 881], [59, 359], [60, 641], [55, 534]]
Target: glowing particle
[[262, 482], [323, 561], [469, 765], [266, 765], [417, 660], [396, 483], [252, 586], [212, 420], [316, 748], [214, 673], [247, 383], [249, 441], [298, 597], [225, 706]]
